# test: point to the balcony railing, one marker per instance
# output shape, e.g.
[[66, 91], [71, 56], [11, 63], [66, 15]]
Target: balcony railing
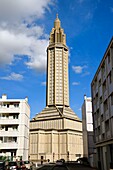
[[107, 116], [111, 110], [9, 110], [105, 95], [101, 109], [9, 121], [8, 145], [4, 133], [110, 88]]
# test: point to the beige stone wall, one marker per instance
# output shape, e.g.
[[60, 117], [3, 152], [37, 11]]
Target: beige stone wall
[[54, 145]]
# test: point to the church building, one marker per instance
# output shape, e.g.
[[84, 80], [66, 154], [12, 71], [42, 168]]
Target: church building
[[56, 132]]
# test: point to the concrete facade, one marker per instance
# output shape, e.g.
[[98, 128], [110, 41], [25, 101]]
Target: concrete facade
[[88, 135], [102, 100], [14, 128], [56, 132]]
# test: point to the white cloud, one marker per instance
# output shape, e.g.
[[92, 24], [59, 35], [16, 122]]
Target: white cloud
[[80, 109], [16, 38], [86, 73], [76, 83], [78, 69], [43, 83], [27, 10], [111, 9], [13, 76]]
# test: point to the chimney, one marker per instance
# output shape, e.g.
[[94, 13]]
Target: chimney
[[4, 96]]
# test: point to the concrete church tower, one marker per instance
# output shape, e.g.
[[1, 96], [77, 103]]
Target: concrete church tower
[[56, 132], [57, 68]]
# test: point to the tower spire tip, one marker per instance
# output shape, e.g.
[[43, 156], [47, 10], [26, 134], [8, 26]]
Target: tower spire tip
[[57, 15]]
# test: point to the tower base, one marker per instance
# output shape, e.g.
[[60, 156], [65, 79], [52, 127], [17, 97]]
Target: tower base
[[56, 133]]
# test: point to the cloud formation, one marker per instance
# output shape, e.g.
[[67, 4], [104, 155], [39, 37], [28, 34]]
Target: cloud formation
[[18, 33], [43, 83], [13, 76], [78, 69], [76, 83], [111, 9]]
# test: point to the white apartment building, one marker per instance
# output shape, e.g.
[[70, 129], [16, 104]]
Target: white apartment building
[[87, 126], [14, 128], [102, 100]]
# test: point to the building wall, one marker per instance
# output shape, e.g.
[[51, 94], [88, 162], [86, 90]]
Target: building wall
[[14, 131], [87, 124], [102, 99], [55, 145]]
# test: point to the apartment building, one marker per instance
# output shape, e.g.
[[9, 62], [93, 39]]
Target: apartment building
[[87, 126], [102, 100], [14, 128]]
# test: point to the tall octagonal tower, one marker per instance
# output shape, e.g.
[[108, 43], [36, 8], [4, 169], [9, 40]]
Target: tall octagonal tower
[[56, 132]]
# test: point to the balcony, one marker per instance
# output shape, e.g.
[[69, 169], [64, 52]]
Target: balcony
[[101, 109], [103, 127], [8, 145], [94, 107], [108, 134], [108, 68], [96, 139], [97, 105], [96, 89], [100, 91], [4, 133], [95, 123], [110, 88], [100, 138], [105, 95], [107, 115], [99, 121], [9, 110], [9, 121], [103, 77], [111, 110], [99, 75]]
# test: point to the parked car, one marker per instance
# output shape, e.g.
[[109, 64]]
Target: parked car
[[22, 165], [27, 164], [13, 165], [83, 160], [46, 167], [2, 165]]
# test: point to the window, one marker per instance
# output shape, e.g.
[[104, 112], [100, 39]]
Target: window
[[112, 99], [104, 86], [107, 125], [109, 78], [102, 118], [16, 105], [100, 100], [6, 128], [108, 59], [103, 68], [99, 130], [105, 106], [99, 82]]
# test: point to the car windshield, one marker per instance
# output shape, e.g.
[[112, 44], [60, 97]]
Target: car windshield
[[26, 162], [1, 163], [46, 167], [60, 167], [12, 163]]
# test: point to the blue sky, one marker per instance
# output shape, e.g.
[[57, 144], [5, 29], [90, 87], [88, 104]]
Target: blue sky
[[25, 26]]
